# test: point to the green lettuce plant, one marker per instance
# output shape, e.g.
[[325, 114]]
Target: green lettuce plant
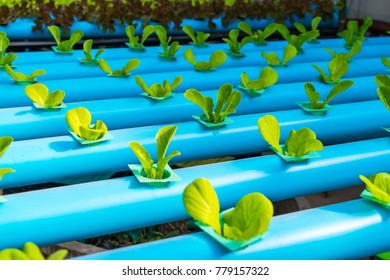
[[235, 45], [5, 58], [135, 44], [169, 48], [249, 218], [87, 48], [314, 96], [79, 121], [163, 138], [273, 60], [314, 27], [267, 78], [384, 95], [65, 46], [39, 94], [198, 37], [299, 143], [217, 58], [297, 40], [227, 101], [258, 37], [30, 251], [124, 72], [356, 48], [382, 80], [159, 90], [337, 67], [379, 186], [21, 78], [5, 142], [354, 33]]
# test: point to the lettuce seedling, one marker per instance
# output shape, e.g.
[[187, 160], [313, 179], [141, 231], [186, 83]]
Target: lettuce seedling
[[5, 142], [267, 78], [258, 36], [314, 96], [39, 94], [163, 138], [79, 121], [353, 33], [337, 67], [386, 61], [20, 77], [124, 72], [30, 251], [65, 46], [227, 101], [379, 186], [159, 90], [347, 56], [5, 58], [382, 80], [169, 48], [314, 27], [87, 47], [297, 40], [217, 58], [198, 37], [298, 143], [249, 218], [234, 45], [134, 43], [384, 95], [273, 60]]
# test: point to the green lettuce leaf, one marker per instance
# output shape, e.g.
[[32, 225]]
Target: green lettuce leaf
[[379, 186], [301, 142], [270, 130]]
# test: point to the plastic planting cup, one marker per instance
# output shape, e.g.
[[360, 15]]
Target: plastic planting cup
[[56, 50], [155, 98], [56, 108], [136, 49], [166, 58], [204, 45], [235, 55], [24, 83], [263, 43], [2, 67], [106, 137], [93, 62], [251, 92], [367, 195], [232, 245], [294, 159], [119, 76], [316, 112], [168, 176], [203, 120]]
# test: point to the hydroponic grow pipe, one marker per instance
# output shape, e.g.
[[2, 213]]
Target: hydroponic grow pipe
[[67, 70], [47, 57], [337, 231], [59, 212], [107, 88], [52, 159], [27, 123]]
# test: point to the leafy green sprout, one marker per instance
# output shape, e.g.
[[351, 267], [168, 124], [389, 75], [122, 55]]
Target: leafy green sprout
[[249, 218], [234, 44], [314, 96], [5, 58], [267, 78], [314, 27], [227, 101], [378, 185], [297, 40], [79, 120], [124, 72], [356, 48], [258, 36], [337, 67], [5, 142], [163, 139], [386, 62], [134, 40], [87, 47], [384, 95], [20, 77], [65, 46], [217, 58], [382, 80], [198, 38], [354, 33], [39, 93], [169, 48], [159, 90], [298, 143], [30, 251], [273, 60]]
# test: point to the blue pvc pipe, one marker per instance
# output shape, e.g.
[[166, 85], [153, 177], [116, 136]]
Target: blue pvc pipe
[[51, 159], [108, 88], [27, 123], [119, 201], [331, 232]]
